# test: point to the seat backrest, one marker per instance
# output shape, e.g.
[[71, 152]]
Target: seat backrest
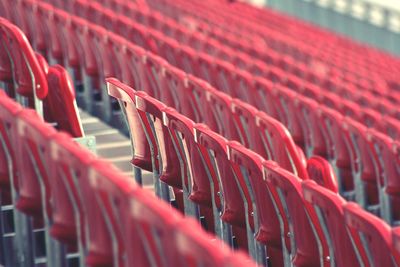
[[265, 100], [245, 123], [29, 78], [315, 142], [329, 208], [8, 169], [111, 192], [73, 163], [321, 171], [153, 77], [157, 225], [172, 87], [195, 104], [248, 172], [392, 126], [293, 122], [388, 158], [247, 166], [338, 153], [214, 152], [364, 155], [182, 133], [279, 145], [5, 61], [65, 225], [126, 96], [371, 236], [159, 139], [297, 217], [220, 109], [33, 151], [388, 152], [195, 248], [62, 103]]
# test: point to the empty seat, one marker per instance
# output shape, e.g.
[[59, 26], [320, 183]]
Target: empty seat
[[262, 219], [371, 236], [329, 209], [298, 220], [126, 96], [228, 199], [111, 192], [8, 168]]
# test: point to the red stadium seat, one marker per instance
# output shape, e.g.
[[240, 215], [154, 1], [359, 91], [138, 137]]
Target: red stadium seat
[[370, 235], [329, 209]]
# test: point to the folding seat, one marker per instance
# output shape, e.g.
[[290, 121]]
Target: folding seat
[[338, 153], [220, 74], [18, 18], [176, 55], [35, 15], [371, 236], [140, 147], [61, 101], [290, 117], [162, 228], [33, 182], [8, 169], [55, 53], [195, 184], [71, 166], [6, 76], [220, 104], [205, 71], [321, 171], [226, 194], [392, 126], [130, 60], [350, 109], [194, 100], [88, 64], [363, 164], [193, 248], [34, 189], [19, 236], [279, 145], [264, 98], [328, 206], [314, 140], [111, 192], [372, 119], [172, 88], [387, 152], [29, 79], [308, 90], [138, 34], [152, 67], [245, 123], [150, 112], [244, 90], [72, 50], [261, 220], [294, 83], [240, 60], [299, 231], [142, 227]]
